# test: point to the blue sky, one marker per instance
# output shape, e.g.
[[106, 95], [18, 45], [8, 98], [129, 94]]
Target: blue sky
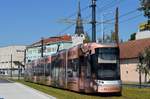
[[23, 22]]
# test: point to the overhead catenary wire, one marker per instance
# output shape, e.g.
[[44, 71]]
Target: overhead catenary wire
[[109, 5], [130, 12], [67, 28], [131, 18], [74, 14], [71, 21], [128, 19], [123, 15], [123, 21], [109, 21]]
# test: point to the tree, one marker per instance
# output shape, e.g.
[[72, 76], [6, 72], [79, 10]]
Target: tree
[[144, 63], [140, 65], [145, 6], [108, 39], [113, 36], [146, 55], [132, 36], [87, 38]]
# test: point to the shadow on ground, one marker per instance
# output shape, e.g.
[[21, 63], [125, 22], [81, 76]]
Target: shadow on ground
[[2, 81]]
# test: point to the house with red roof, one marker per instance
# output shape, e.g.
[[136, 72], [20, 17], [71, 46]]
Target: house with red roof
[[129, 52], [50, 46]]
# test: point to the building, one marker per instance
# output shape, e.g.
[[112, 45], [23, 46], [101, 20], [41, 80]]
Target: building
[[8, 56], [79, 24], [51, 45], [129, 52], [144, 31], [143, 34]]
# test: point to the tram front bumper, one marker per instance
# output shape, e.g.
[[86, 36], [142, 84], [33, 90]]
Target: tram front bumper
[[109, 89]]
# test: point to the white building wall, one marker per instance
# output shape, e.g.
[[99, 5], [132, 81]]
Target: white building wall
[[129, 71], [77, 39], [17, 53], [33, 53], [142, 35]]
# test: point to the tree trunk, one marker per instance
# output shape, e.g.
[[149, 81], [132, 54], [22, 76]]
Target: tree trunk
[[145, 77], [140, 78]]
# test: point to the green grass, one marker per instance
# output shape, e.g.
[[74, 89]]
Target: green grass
[[127, 93]]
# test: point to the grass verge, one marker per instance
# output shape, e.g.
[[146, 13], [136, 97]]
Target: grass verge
[[127, 93]]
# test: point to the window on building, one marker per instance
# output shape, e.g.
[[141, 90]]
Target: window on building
[[48, 49], [39, 50]]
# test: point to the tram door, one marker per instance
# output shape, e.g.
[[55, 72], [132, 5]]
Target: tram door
[[82, 73]]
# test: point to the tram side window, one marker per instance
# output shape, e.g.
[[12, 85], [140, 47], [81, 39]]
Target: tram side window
[[33, 71], [42, 69], [88, 72], [47, 69], [37, 70], [73, 70], [61, 68], [57, 68], [69, 70], [53, 69]]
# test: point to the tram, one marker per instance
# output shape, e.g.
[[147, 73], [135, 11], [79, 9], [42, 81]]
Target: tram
[[88, 68]]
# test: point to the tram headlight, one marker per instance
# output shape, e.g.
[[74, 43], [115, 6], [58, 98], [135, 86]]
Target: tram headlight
[[98, 82], [95, 87], [91, 84]]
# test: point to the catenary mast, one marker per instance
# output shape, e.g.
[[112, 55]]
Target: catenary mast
[[93, 22]]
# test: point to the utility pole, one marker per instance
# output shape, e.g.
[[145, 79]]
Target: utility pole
[[42, 46], [11, 65], [24, 60], [93, 22], [18, 71], [117, 26]]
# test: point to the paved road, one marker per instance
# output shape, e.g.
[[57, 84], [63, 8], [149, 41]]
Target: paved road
[[9, 90]]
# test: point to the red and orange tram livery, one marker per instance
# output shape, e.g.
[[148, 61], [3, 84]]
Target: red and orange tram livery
[[89, 68]]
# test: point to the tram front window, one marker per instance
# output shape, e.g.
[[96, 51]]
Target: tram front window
[[108, 72], [108, 64], [107, 53]]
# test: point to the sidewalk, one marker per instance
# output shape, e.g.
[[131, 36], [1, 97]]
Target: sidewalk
[[20, 91]]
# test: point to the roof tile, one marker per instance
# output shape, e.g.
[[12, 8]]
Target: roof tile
[[131, 49]]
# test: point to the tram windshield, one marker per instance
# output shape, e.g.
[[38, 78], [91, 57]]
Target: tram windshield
[[107, 53], [108, 72], [108, 64]]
